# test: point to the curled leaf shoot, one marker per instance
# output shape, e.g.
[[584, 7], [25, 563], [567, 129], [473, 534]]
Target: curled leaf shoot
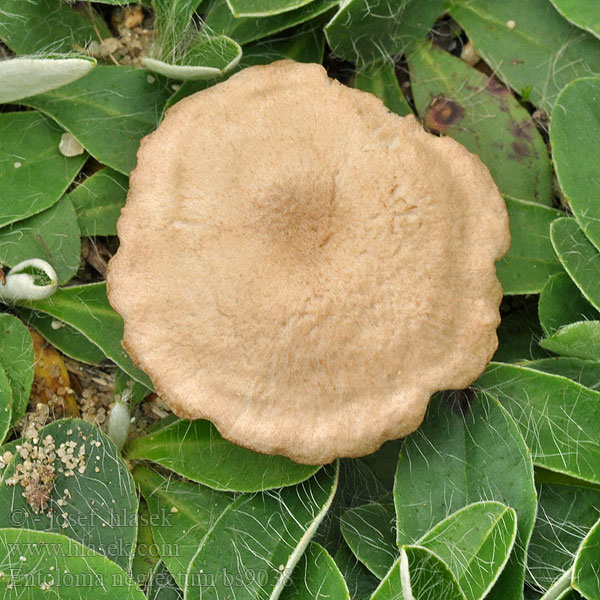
[[32, 279], [119, 419]]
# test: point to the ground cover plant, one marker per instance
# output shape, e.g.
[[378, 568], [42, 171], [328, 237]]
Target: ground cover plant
[[105, 493]]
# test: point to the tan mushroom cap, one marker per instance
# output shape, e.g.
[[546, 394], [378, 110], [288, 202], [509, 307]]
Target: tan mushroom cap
[[305, 268]]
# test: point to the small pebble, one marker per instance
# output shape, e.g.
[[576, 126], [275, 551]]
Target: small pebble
[[469, 54], [69, 146]]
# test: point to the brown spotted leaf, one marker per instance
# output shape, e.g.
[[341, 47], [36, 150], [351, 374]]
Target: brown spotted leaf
[[456, 100]]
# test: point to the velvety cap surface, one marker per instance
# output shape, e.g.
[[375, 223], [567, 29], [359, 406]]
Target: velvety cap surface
[[303, 267]]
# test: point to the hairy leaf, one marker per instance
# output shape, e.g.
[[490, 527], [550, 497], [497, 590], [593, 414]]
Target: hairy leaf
[[565, 515], [528, 45], [316, 577], [579, 257], [419, 575], [33, 173], [575, 147], [93, 503], [369, 532], [467, 450], [6, 399], [108, 111], [16, 358], [243, 30], [255, 545], [52, 235], [40, 564], [475, 542], [580, 340], [379, 78], [530, 259], [562, 303], [196, 450], [363, 31], [182, 514], [49, 26], [586, 577], [86, 308], [559, 419], [98, 201]]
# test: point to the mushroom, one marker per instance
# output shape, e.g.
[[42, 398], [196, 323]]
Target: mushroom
[[305, 268]]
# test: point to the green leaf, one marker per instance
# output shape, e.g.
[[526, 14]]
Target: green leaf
[[96, 505], [49, 26], [580, 340], [584, 372], [108, 111], [52, 235], [579, 257], [220, 20], [207, 58], [23, 76], [303, 46], [182, 514], [582, 13], [369, 532], [62, 336], [263, 8], [86, 308], [360, 581], [6, 398], [195, 450], [586, 578], [559, 419], [454, 99], [33, 173], [575, 146], [162, 586], [565, 514], [467, 450], [531, 258], [98, 201], [252, 549], [519, 333], [16, 358], [379, 78], [364, 30], [40, 564], [316, 577], [562, 303], [419, 575], [475, 542], [528, 45], [543, 476], [146, 556]]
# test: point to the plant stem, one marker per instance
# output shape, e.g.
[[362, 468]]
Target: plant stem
[[559, 587]]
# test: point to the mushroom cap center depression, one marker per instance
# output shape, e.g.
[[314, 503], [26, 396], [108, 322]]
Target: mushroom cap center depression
[[296, 215]]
